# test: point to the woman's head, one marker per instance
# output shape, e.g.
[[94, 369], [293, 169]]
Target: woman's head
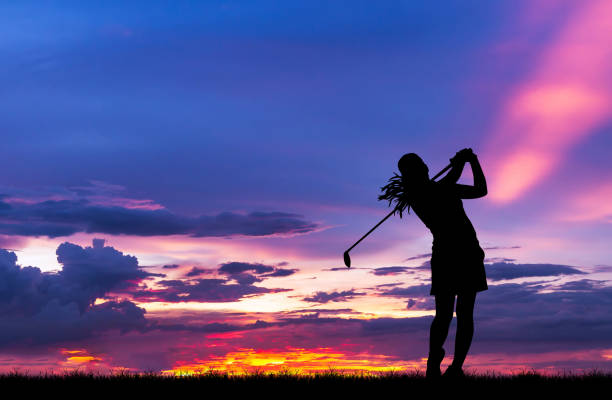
[[413, 169]]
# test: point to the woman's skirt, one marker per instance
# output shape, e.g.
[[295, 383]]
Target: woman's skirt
[[457, 267]]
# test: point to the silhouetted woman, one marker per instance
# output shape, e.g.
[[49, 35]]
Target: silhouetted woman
[[457, 260]]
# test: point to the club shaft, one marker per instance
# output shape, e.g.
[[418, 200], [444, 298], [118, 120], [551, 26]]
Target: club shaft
[[441, 172], [391, 213], [370, 231]]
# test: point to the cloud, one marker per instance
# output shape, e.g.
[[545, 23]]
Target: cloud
[[315, 312], [385, 271], [511, 319], [195, 271], [591, 204], [325, 297], [530, 315], [203, 290], [582, 285], [219, 289], [491, 260], [232, 268], [91, 272], [410, 291], [237, 269], [503, 270], [565, 98], [279, 272], [55, 323], [576, 314], [39, 308], [66, 217], [419, 257]]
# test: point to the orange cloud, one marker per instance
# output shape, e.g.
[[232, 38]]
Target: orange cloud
[[298, 359], [75, 358], [568, 95]]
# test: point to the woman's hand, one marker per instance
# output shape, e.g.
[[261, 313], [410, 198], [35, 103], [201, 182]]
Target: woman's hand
[[463, 156]]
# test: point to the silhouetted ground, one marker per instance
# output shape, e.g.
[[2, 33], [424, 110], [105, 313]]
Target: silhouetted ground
[[293, 385]]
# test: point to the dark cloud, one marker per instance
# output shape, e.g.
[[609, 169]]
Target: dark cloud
[[195, 271], [410, 291], [232, 268], [419, 257], [501, 247], [246, 279], [281, 272], [39, 308], [503, 270], [492, 260], [171, 266], [204, 290], [326, 297], [237, 271], [343, 269], [417, 296], [602, 268], [428, 255], [531, 317], [584, 284], [321, 311], [91, 272], [385, 285], [580, 315], [253, 224], [58, 323], [383, 271], [66, 217], [213, 327], [243, 274]]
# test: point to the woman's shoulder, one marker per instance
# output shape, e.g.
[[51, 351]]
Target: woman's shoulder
[[444, 190]]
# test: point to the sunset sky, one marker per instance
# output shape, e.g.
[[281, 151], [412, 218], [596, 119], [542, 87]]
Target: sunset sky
[[180, 180]]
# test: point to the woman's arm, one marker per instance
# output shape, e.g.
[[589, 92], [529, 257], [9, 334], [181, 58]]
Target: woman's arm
[[479, 189], [454, 174], [457, 162]]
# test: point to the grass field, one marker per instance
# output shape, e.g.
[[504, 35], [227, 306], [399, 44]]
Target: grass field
[[293, 384]]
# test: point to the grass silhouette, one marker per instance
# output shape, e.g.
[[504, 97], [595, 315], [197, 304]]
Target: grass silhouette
[[290, 383]]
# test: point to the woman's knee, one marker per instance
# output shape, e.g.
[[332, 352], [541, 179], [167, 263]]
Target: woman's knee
[[465, 306], [443, 318]]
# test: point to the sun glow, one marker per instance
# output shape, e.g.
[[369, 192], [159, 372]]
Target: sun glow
[[79, 357], [298, 359]]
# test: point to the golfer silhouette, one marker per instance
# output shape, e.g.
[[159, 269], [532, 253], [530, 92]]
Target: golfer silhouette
[[457, 260]]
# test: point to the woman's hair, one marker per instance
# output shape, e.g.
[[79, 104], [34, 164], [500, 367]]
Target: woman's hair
[[413, 172]]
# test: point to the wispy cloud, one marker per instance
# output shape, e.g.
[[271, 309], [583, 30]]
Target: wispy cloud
[[594, 204], [326, 297], [566, 97], [57, 218]]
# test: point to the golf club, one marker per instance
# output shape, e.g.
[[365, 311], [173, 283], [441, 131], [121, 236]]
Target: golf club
[[347, 258]]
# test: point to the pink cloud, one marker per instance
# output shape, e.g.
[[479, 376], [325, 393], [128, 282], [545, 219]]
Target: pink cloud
[[568, 95], [594, 204]]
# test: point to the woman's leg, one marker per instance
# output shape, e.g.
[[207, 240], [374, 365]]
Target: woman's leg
[[465, 327], [439, 331]]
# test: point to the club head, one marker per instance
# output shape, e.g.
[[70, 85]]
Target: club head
[[347, 259]]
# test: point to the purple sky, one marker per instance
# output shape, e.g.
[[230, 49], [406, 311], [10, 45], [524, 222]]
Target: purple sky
[[245, 142]]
